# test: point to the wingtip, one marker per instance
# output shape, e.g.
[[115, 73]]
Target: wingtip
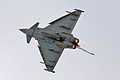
[[79, 10], [37, 22]]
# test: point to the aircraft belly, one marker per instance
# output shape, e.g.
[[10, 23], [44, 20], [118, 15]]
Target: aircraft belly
[[54, 38]]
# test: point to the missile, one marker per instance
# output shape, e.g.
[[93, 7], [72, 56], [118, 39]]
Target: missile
[[68, 12], [79, 10]]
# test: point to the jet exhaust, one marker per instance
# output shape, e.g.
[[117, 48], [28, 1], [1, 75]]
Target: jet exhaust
[[85, 50]]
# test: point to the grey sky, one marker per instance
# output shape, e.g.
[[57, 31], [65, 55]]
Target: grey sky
[[98, 29]]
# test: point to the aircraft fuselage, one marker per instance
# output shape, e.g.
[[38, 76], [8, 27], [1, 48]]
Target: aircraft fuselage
[[61, 39]]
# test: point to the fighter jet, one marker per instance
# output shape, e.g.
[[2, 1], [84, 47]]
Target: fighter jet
[[54, 38]]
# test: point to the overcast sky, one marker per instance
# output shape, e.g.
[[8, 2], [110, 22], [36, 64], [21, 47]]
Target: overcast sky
[[98, 29]]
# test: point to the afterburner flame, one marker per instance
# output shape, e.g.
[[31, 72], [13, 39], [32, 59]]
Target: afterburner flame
[[77, 41], [73, 46]]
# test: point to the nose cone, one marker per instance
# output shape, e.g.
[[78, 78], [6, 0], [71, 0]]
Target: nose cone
[[23, 30]]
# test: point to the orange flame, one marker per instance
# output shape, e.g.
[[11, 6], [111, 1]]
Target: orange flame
[[77, 41], [73, 46]]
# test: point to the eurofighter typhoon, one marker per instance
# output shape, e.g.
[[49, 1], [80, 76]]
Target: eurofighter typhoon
[[54, 38]]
